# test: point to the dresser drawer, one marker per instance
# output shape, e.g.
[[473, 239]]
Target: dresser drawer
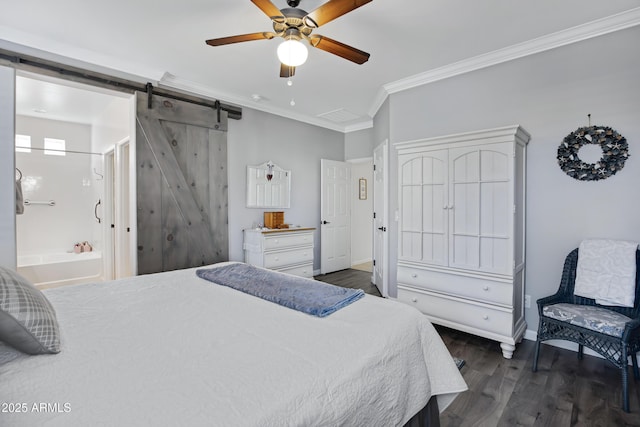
[[288, 240], [452, 284], [288, 257], [468, 315], [305, 270]]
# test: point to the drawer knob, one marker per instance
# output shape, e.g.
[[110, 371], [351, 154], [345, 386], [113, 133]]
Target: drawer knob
[[485, 317], [277, 259], [414, 299], [485, 288], [414, 275], [276, 241]]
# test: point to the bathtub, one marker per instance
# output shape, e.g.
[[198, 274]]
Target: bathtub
[[59, 269]]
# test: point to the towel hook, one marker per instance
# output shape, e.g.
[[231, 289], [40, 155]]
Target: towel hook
[[20, 172]]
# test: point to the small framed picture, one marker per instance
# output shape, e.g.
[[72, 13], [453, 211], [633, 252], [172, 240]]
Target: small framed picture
[[363, 189]]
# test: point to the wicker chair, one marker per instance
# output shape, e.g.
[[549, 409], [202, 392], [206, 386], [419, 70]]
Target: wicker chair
[[613, 332]]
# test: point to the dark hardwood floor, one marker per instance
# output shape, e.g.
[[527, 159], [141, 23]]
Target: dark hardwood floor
[[564, 392], [351, 278]]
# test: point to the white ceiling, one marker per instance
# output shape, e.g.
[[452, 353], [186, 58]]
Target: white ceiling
[[411, 42], [57, 99]]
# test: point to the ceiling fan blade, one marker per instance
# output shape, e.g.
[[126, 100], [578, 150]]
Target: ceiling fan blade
[[332, 46], [287, 71], [267, 7], [241, 38], [331, 10]]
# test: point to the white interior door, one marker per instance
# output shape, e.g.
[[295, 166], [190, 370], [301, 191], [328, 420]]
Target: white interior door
[[335, 216], [123, 223], [108, 220], [380, 218]]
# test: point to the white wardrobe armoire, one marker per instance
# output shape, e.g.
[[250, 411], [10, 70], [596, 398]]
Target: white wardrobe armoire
[[461, 246]]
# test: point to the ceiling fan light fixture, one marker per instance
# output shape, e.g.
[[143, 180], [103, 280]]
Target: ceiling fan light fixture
[[292, 53]]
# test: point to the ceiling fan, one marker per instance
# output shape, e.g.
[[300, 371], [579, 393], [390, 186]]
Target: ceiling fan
[[295, 25]]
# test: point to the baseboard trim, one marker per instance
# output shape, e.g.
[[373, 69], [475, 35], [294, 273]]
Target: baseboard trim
[[530, 335]]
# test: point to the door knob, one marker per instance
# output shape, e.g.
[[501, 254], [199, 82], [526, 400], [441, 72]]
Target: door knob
[[382, 228], [326, 222]]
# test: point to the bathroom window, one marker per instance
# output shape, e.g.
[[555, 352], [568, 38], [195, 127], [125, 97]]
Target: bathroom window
[[54, 147], [23, 143]]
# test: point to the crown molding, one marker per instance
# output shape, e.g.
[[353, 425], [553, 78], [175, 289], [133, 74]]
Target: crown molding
[[366, 124], [610, 24], [170, 81], [381, 96]]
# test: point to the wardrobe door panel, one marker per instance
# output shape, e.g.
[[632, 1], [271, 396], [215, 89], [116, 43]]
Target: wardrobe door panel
[[423, 204], [465, 212]]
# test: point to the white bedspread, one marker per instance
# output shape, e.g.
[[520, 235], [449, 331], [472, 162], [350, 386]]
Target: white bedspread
[[172, 349]]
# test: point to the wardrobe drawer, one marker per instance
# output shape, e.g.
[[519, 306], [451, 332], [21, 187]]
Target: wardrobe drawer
[[475, 316], [282, 258], [305, 270], [287, 241], [452, 284]]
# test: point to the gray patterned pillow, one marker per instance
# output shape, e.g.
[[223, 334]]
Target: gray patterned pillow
[[27, 319]]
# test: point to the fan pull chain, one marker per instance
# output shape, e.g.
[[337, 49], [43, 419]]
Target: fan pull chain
[[290, 83]]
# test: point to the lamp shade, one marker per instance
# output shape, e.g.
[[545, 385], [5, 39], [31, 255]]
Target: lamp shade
[[292, 53]]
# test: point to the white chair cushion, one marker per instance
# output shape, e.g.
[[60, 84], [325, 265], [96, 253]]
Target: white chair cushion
[[595, 318]]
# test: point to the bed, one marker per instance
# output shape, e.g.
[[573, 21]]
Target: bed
[[174, 349]]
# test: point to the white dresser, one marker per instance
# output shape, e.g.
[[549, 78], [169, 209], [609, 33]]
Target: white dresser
[[286, 250], [461, 231]]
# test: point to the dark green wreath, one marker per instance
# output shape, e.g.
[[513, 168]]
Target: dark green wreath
[[615, 152]]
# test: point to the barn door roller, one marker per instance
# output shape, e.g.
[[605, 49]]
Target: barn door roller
[[149, 95]]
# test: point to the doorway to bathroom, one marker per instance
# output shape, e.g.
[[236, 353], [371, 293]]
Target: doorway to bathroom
[[73, 167]]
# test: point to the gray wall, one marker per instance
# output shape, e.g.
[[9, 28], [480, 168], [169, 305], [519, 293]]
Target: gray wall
[[381, 124], [358, 144], [549, 95], [7, 168], [290, 144]]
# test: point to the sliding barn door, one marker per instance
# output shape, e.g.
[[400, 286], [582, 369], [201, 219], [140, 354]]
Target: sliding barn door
[[181, 158]]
